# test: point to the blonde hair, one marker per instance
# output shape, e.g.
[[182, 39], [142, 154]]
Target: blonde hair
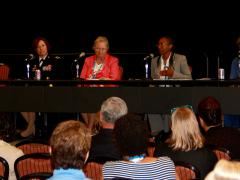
[[225, 170], [186, 134], [101, 39]]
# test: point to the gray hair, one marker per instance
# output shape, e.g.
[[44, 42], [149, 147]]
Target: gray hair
[[113, 108]]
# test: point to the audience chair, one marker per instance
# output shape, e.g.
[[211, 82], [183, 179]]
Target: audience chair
[[222, 153], [4, 169], [93, 170], [121, 72], [4, 71], [33, 146], [151, 147], [186, 171], [33, 166]]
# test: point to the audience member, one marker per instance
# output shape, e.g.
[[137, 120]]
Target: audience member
[[70, 143], [211, 120], [101, 66], [10, 153], [186, 142], [225, 170], [132, 134], [235, 66], [103, 144]]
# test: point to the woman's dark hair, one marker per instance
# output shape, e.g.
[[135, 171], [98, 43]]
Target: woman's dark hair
[[131, 133], [36, 41], [209, 109]]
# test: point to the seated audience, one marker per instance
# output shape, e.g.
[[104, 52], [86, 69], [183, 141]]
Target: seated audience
[[10, 153], [132, 134], [225, 170], [103, 144], [70, 143], [211, 120], [186, 142]]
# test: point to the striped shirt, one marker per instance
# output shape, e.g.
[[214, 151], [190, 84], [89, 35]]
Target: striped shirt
[[163, 168]]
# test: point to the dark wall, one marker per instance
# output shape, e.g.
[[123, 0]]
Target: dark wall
[[200, 31]]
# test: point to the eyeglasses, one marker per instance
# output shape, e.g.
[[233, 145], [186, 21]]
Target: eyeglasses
[[183, 106], [100, 49]]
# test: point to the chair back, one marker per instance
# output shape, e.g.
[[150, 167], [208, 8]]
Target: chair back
[[151, 147], [4, 71], [186, 171], [33, 166], [222, 153], [93, 170], [33, 146], [4, 169], [120, 72]]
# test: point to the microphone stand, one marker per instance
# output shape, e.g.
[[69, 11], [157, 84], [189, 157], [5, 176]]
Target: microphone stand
[[28, 71], [207, 66], [77, 70], [28, 68], [146, 69]]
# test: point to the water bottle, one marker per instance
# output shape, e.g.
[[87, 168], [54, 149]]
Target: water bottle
[[38, 74]]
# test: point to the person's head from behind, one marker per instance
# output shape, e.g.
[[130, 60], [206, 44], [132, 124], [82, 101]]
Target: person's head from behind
[[186, 134], [101, 46], [165, 45], [209, 112], [70, 143], [112, 109], [131, 133], [225, 170], [41, 46]]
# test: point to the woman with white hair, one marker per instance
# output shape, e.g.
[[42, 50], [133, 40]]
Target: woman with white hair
[[227, 170]]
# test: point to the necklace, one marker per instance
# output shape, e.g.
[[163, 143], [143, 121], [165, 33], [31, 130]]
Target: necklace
[[96, 69], [136, 158]]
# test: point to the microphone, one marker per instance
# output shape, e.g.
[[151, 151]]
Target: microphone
[[207, 64], [30, 57], [57, 57], [150, 56], [82, 54]]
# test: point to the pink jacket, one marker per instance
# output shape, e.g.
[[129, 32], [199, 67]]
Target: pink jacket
[[110, 68]]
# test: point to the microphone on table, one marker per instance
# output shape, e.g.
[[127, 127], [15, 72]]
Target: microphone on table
[[81, 55], [30, 57], [150, 56]]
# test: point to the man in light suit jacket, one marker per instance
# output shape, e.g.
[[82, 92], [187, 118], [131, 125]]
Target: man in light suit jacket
[[169, 65]]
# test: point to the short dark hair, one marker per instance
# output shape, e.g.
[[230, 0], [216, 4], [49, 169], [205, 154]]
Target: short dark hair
[[70, 143], [131, 133], [209, 109], [36, 41]]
